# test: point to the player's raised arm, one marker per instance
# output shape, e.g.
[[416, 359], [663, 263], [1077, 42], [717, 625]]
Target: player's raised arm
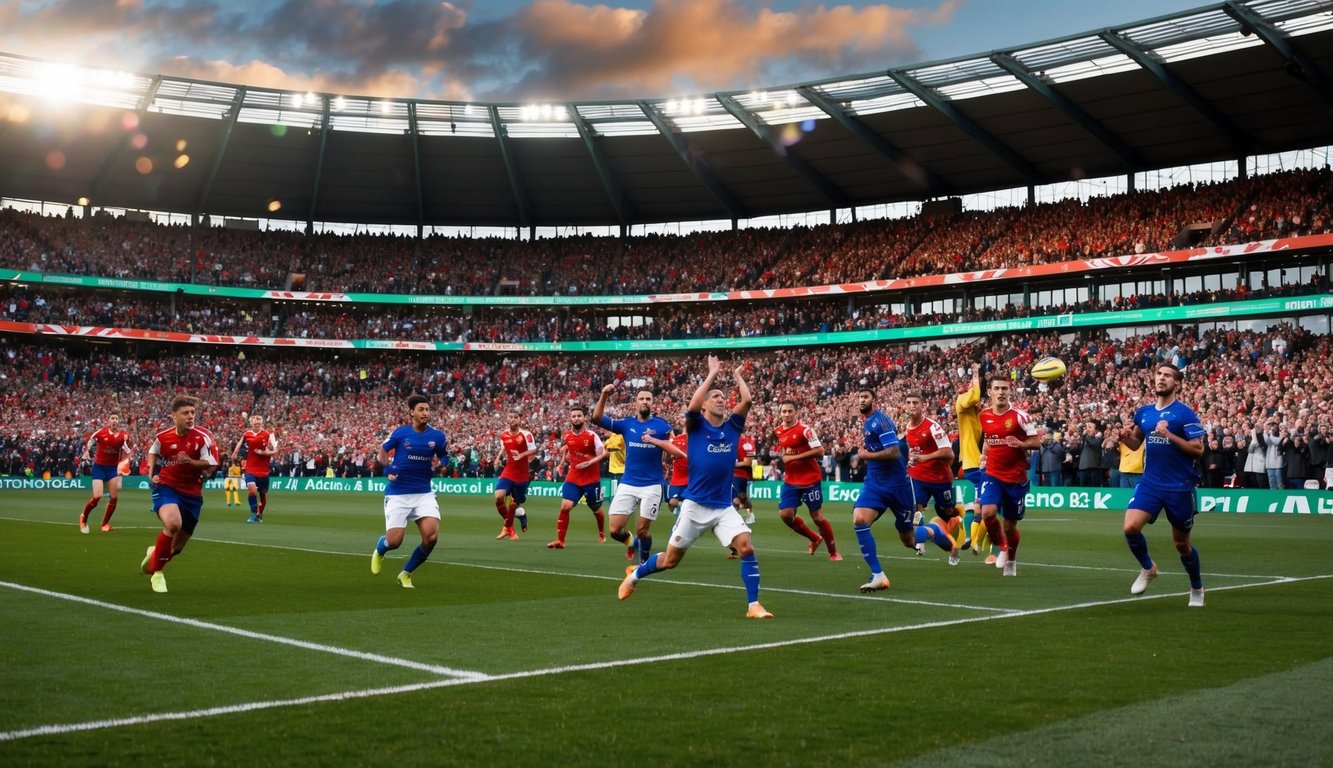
[[237, 450], [743, 407], [697, 401], [598, 409]]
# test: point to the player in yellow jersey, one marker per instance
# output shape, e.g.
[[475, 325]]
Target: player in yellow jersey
[[232, 485], [968, 408], [615, 452]]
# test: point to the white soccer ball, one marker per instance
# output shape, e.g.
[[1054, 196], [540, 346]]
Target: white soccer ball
[[520, 512]]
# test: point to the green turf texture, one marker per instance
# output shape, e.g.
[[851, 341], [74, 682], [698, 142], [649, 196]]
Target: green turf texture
[[952, 666]]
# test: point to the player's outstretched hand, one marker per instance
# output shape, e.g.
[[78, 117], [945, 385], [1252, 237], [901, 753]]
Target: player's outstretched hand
[[714, 365], [608, 389]]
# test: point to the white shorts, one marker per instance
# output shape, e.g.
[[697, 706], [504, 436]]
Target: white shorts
[[696, 520], [400, 509], [646, 497]]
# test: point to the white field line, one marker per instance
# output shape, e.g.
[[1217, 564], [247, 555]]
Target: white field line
[[278, 639], [63, 728], [776, 550]]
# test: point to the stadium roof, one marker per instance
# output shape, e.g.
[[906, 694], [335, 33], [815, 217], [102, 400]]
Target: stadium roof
[[1219, 82]]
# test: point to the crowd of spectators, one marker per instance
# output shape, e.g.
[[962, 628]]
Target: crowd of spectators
[[331, 412], [1240, 210], [207, 315]]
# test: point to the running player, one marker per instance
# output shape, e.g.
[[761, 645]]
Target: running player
[[416, 448], [929, 460], [111, 444], [1175, 441], [887, 487], [1009, 436], [582, 455], [260, 446], [178, 460], [803, 479], [713, 437], [641, 486], [517, 447]]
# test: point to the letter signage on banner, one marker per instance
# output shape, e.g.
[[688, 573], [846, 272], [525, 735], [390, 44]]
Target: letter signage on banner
[[1039, 499]]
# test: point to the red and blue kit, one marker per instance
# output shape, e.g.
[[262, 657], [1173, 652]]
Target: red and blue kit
[[176, 451], [516, 443]]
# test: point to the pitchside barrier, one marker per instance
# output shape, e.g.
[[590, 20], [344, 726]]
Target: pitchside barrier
[[1039, 499]]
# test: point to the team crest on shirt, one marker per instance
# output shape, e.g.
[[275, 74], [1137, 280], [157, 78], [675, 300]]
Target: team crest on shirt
[[1008, 423], [431, 444]]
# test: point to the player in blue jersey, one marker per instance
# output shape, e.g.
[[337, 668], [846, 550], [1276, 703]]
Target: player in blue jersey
[[1175, 442], [887, 487], [641, 485], [713, 435], [417, 448]]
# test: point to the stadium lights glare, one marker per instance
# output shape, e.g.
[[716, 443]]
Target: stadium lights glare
[[686, 107], [297, 100], [386, 107], [537, 112], [339, 104], [59, 82], [66, 82]]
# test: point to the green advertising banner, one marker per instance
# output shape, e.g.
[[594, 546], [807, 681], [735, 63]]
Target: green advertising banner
[[1039, 499]]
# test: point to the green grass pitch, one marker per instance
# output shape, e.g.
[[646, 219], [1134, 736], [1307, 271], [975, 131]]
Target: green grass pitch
[[276, 645]]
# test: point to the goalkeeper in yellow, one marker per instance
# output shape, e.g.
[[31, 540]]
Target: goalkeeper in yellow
[[968, 408], [232, 484]]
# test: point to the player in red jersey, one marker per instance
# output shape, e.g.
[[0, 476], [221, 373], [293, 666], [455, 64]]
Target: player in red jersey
[[929, 464], [517, 447], [582, 454], [680, 463], [803, 481], [178, 461], [1008, 434], [111, 444], [260, 447], [741, 479]]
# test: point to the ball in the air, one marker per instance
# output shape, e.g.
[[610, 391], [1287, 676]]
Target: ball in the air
[[1048, 369]]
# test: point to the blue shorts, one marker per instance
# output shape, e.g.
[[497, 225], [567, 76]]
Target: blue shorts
[[793, 496], [740, 488], [1179, 505], [190, 506], [898, 499], [592, 493], [1009, 498], [518, 490], [105, 472], [676, 492], [261, 483], [974, 476], [941, 493]]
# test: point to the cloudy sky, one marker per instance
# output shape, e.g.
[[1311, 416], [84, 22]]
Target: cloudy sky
[[504, 50]]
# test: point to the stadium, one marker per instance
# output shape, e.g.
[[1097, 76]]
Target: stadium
[[1064, 217]]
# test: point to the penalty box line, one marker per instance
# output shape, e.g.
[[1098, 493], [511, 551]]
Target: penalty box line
[[92, 725], [251, 635]]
